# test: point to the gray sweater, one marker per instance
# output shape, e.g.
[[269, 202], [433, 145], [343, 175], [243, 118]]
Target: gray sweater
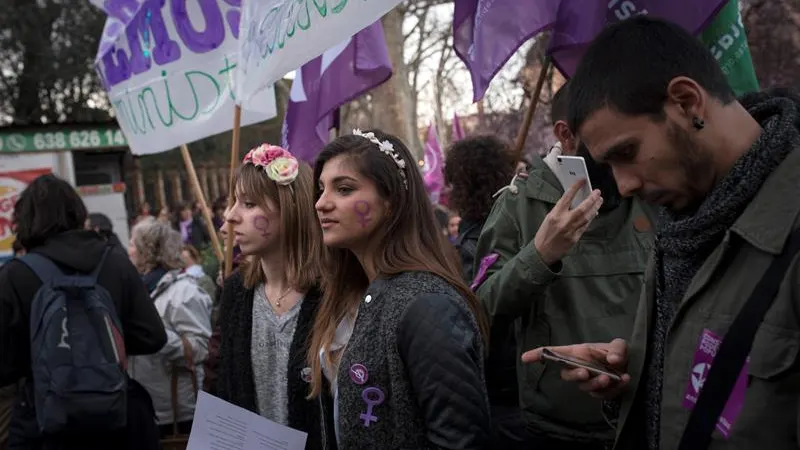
[[412, 374]]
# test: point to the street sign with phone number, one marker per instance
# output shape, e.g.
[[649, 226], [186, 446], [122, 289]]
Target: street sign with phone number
[[61, 140]]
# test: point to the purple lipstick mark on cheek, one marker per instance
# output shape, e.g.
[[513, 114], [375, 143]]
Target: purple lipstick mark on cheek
[[261, 224], [362, 210]]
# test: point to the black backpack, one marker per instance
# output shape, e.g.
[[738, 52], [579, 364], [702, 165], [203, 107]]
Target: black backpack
[[78, 360]]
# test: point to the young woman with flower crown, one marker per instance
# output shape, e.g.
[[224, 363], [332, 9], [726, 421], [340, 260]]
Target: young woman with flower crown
[[399, 338], [269, 304]]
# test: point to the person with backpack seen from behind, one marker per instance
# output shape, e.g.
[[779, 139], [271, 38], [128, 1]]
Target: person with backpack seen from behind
[[155, 249], [97, 405]]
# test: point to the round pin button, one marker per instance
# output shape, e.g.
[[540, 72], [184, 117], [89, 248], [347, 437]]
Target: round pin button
[[359, 374], [368, 299]]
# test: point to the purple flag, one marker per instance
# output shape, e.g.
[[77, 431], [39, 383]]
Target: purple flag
[[458, 132], [434, 162], [579, 21], [487, 32], [325, 83]]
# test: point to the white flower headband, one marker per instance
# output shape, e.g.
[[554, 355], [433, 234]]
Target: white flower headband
[[387, 148]]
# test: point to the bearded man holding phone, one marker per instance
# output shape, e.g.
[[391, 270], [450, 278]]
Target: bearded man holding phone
[[713, 360]]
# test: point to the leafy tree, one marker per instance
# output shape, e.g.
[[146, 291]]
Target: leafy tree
[[47, 50]]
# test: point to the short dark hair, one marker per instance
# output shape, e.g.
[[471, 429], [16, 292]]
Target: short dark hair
[[476, 168], [101, 222], [220, 203], [559, 104], [48, 207], [629, 65]]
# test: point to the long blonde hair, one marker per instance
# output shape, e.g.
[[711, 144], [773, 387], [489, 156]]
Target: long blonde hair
[[409, 241], [299, 228]]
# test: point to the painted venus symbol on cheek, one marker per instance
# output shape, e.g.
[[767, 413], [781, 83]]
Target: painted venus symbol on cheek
[[362, 209], [261, 224]]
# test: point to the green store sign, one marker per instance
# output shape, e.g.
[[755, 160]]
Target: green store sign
[[39, 141]]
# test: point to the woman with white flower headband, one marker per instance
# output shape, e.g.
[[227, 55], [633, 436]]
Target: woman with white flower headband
[[398, 342], [268, 305]]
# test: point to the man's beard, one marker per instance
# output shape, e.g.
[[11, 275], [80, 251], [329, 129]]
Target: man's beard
[[602, 178], [697, 165]]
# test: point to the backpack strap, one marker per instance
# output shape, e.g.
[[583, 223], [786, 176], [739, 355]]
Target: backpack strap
[[99, 266], [42, 266], [733, 351]]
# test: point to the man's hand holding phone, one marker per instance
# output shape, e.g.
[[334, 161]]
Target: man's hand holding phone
[[613, 355], [563, 227]]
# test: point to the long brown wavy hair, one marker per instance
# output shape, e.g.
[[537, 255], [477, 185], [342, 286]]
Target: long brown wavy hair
[[410, 240], [301, 235]]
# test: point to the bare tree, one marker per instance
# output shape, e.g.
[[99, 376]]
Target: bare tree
[[773, 32]]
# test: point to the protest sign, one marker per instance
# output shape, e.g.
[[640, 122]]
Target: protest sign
[[169, 72], [279, 36]]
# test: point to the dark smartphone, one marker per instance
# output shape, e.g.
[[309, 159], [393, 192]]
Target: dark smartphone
[[575, 363]]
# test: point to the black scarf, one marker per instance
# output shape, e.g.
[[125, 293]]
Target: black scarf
[[684, 243], [152, 278]]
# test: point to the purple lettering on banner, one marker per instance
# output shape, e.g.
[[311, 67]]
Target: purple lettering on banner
[[372, 396], [116, 67], [483, 269], [164, 50], [703, 359], [199, 41], [234, 16]]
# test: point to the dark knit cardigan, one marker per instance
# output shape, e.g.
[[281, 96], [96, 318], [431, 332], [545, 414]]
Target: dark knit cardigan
[[234, 368]]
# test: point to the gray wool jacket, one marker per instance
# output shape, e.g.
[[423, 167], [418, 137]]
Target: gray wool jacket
[[412, 374]]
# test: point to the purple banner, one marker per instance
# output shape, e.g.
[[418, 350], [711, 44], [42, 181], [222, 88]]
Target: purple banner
[[486, 33], [325, 83]]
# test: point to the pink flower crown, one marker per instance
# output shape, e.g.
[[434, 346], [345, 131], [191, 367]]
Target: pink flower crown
[[280, 165]]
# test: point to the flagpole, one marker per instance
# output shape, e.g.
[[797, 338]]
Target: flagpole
[[200, 196], [526, 123], [237, 123]]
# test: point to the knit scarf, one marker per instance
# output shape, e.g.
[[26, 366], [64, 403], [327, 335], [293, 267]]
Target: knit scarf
[[684, 243]]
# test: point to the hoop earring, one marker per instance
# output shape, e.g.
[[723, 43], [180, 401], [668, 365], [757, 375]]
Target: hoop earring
[[698, 123]]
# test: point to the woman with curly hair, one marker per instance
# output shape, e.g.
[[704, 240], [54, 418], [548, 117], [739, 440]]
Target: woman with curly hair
[[185, 309], [476, 169]]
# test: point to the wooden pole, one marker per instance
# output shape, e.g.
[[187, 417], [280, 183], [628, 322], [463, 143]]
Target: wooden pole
[[161, 191], [237, 123], [199, 196], [526, 123]]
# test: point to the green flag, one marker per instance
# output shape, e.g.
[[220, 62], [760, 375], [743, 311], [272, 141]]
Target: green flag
[[727, 41]]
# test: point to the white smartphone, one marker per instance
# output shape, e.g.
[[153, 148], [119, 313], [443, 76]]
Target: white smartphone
[[595, 368], [572, 169]]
